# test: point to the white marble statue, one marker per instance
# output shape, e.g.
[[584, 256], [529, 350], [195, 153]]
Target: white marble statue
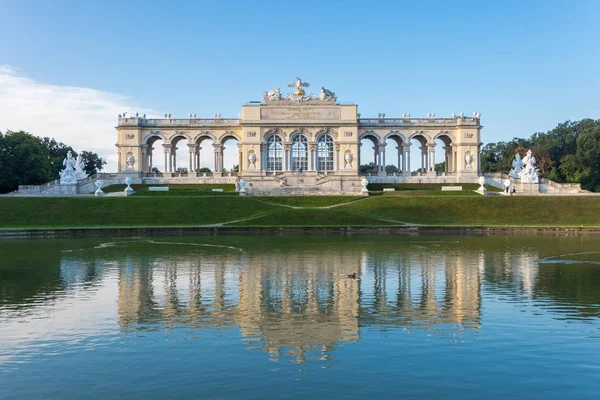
[[130, 162], [469, 160], [80, 168], [299, 94], [348, 158], [327, 95], [517, 166], [68, 175], [529, 173], [252, 159], [272, 95]]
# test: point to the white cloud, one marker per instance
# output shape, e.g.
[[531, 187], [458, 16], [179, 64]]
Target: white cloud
[[80, 117]]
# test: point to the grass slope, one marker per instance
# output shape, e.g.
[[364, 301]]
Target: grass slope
[[76, 212], [67, 212], [177, 190], [496, 210]]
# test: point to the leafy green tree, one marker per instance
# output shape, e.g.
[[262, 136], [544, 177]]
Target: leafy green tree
[[370, 167], [57, 152], [204, 169], [391, 169], [24, 160], [182, 170], [235, 168], [92, 162], [440, 167]]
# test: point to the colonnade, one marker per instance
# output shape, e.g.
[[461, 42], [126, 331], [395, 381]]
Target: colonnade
[[170, 157], [427, 157]]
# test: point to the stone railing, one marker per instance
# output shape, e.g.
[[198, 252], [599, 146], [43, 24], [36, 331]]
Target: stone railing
[[172, 122], [417, 121]]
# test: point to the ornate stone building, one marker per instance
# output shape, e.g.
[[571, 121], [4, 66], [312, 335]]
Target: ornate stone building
[[302, 140]]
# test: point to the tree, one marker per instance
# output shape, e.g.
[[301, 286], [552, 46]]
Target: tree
[[182, 170], [370, 167], [24, 160], [57, 153], [235, 168], [204, 169], [391, 169], [92, 162], [440, 167], [155, 170]]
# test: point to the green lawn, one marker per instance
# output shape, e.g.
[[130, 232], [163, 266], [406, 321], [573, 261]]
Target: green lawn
[[308, 201], [78, 212], [433, 189], [480, 210], [177, 190]]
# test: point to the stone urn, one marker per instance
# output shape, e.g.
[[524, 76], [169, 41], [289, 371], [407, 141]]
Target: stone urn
[[348, 157], [252, 159], [128, 189], [242, 185], [99, 183], [481, 181], [364, 182]]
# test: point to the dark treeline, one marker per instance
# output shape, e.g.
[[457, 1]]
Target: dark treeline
[[569, 153], [30, 160]]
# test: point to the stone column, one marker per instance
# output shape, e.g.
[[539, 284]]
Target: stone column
[[174, 153], [399, 164], [192, 152], [336, 160], [119, 163], [198, 159], [313, 158], [144, 160], [167, 149], [431, 163], [382, 159], [423, 155], [406, 159], [218, 157], [376, 157], [286, 155]]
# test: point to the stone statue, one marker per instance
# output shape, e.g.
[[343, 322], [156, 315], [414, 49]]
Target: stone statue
[[327, 95], [348, 157], [252, 159], [517, 166], [130, 162], [79, 168], [529, 173], [299, 84], [469, 160], [272, 95], [68, 175]]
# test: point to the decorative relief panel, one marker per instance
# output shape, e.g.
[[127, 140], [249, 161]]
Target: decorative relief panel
[[300, 113]]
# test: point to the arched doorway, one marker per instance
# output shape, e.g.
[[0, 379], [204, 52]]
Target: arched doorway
[[419, 154], [368, 154], [230, 154], [325, 153], [394, 147], [154, 149], [444, 154], [180, 154], [204, 154]]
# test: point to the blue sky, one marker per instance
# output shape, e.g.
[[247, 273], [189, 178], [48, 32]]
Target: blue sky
[[525, 65]]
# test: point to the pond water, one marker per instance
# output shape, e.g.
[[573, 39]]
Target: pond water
[[259, 316]]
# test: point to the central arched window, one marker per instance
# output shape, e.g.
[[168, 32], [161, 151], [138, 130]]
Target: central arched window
[[274, 153], [325, 153], [299, 153]]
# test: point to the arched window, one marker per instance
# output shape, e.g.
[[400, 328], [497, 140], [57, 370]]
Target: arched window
[[274, 153], [299, 153], [325, 153]]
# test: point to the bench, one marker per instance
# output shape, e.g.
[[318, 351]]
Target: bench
[[451, 188], [217, 190], [388, 189], [158, 188]]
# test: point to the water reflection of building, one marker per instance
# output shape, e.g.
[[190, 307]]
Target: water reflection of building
[[301, 303]]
